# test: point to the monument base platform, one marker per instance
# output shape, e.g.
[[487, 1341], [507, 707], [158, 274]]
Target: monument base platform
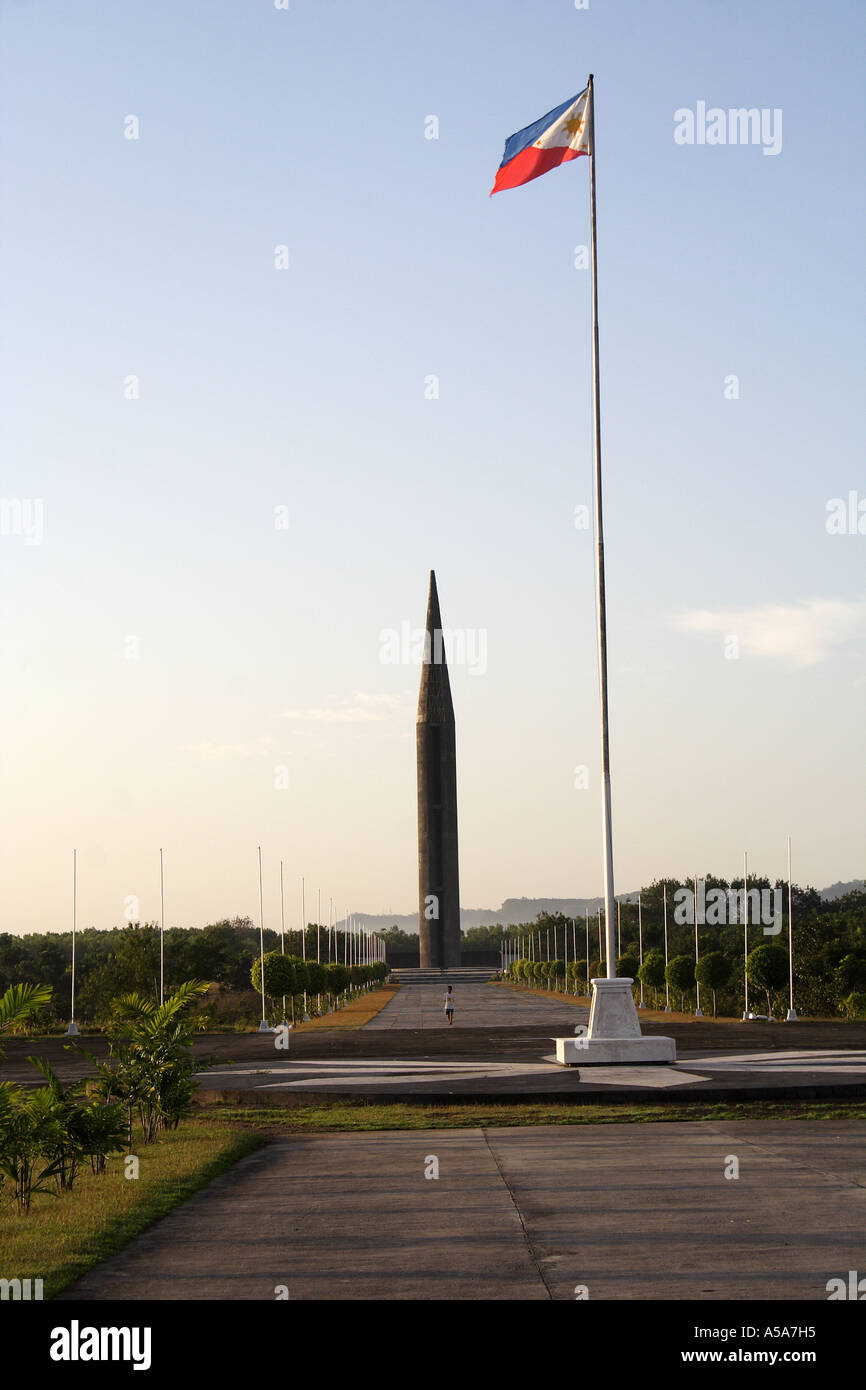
[[584, 1051], [613, 1037]]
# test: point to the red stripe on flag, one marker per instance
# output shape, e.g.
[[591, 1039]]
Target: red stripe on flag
[[530, 164]]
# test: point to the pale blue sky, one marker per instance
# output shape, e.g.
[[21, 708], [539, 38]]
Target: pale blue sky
[[305, 388]]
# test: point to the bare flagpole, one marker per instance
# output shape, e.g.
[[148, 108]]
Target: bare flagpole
[[640, 941], [72, 1030], [161, 930], [282, 929], [667, 986], [263, 1026], [600, 589], [746, 933], [698, 1010], [792, 1012]]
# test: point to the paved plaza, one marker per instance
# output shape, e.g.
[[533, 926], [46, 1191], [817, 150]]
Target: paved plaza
[[501, 1046], [420, 1004], [626, 1211], [630, 1211]]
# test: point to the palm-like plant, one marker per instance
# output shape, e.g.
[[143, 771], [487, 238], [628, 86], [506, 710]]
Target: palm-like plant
[[30, 1131], [20, 1004], [101, 1130], [63, 1146], [150, 1048]]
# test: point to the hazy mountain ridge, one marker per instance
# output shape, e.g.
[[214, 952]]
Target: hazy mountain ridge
[[516, 910], [838, 890]]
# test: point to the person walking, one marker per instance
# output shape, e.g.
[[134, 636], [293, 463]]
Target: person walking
[[449, 1005]]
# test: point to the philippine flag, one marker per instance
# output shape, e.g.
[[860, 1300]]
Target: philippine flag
[[560, 135]]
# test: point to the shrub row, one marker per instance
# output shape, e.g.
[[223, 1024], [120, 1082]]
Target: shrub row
[[290, 977], [48, 1132]]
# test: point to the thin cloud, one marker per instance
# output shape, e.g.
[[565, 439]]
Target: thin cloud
[[799, 634], [361, 708], [256, 748]]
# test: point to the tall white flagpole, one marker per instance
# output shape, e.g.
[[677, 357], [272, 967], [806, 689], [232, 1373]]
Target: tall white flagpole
[[600, 589], [565, 952], [667, 986], [746, 933], [282, 915], [161, 930], [263, 1026], [282, 929], [318, 920], [698, 1010], [640, 940], [792, 1012], [72, 1030]]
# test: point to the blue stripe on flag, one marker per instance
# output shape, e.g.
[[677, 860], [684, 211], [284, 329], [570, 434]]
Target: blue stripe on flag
[[522, 138]]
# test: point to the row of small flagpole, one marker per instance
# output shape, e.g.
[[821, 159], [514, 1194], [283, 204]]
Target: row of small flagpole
[[360, 947], [524, 947]]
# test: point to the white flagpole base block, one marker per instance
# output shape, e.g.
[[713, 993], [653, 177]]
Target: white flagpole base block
[[699, 1013], [614, 1037], [611, 1052], [264, 1026], [791, 1016], [72, 1030]]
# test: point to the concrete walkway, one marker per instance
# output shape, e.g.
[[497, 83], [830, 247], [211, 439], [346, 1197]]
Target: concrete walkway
[[630, 1211], [420, 1004]]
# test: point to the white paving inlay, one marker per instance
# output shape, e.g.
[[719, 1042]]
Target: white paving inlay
[[358, 1071]]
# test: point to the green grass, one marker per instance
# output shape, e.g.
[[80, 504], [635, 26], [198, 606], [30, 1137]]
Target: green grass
[[65, 1235], [349, 1114]]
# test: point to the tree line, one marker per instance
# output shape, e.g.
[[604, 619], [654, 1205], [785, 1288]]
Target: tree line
[[126, 960], [829, 938]]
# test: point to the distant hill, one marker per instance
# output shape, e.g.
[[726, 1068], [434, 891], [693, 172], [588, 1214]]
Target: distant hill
[[838, 890], [512, 911], [515, 910]]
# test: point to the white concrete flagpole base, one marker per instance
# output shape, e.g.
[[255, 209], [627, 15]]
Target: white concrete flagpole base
[[264, 1026], [699, 1013], [614, 1037], [792, 1016], [72, 1030]]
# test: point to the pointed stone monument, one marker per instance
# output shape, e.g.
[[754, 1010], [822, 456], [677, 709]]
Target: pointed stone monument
[[438, 879]]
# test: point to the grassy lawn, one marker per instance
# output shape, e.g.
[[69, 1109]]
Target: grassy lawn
[[351, 1114], [65, 1235], [354, 1014]]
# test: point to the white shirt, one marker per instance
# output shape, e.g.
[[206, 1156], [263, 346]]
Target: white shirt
[[449, 1001]]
